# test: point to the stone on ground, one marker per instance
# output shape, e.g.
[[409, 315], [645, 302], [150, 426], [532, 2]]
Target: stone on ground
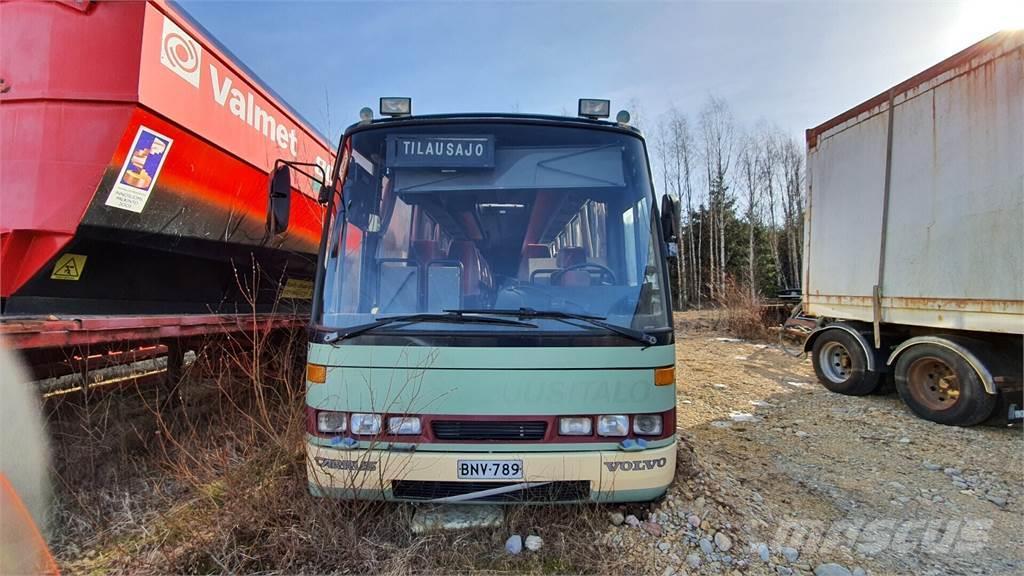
[[514, 544], [790, 554], [831, 569]]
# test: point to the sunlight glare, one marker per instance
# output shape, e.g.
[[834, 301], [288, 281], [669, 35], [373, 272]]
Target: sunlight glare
[[980, 18]]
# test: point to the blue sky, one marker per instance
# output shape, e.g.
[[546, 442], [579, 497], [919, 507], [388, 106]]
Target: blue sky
[[794, 64]]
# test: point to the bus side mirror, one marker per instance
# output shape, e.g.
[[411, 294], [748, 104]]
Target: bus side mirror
[[669, 218], [279, 207], [325, 192]]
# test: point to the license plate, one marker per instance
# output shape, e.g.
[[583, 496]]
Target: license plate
[[490, 469]]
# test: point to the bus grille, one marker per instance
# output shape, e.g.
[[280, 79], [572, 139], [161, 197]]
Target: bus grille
[[570, 491], [481, 430]]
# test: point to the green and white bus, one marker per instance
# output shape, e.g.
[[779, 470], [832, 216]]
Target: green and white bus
[[491, 317]]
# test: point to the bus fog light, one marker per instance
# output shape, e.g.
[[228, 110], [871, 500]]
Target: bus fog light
[[647, 424], [365, 424], [616, 425], [330, 422], [405, 425], [575, 426]]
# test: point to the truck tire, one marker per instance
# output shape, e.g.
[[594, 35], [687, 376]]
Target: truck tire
[[939, 385], [841, 364]]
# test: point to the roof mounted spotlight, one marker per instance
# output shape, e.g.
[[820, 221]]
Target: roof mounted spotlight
[[365, 114], [594, 109], [395, 107], [622, 117]]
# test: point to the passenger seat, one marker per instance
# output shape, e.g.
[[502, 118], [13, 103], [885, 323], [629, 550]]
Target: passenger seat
[[535, 257], [476, 275]]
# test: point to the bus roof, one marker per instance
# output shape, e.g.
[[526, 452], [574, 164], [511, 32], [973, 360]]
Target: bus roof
[[547, 119]]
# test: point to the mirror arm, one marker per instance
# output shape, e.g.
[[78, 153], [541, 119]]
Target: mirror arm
[[322, 180]]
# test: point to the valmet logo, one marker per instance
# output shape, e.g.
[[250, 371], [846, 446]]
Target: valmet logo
[[180, 53]]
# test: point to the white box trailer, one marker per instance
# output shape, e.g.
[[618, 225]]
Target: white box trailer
[[914, 237]]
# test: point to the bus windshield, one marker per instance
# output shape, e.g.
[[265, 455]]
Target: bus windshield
[[495, 216]]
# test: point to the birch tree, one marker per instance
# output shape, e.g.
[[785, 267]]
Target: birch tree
[[750, 160], [717, 129]]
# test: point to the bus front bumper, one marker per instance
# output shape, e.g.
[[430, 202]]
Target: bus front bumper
[[567, 476]]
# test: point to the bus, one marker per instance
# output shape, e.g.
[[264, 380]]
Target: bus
[[491, 318]]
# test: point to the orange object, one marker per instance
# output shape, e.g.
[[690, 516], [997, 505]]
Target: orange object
[[665, 376], [316, 373], [22, 547]]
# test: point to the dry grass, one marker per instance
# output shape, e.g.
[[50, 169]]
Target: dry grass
[[743, 312], [736, 312], [215, 482]]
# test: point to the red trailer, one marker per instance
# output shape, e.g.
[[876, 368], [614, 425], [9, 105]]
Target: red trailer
[[134, 154]]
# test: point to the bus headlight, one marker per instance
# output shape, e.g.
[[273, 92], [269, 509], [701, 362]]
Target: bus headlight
[[365, 424], [647, 424], [404, 425], [616, 425], [330, 422], [575, 426]]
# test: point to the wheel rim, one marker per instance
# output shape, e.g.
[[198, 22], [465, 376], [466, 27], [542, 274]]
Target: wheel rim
[[836, 363], [934, 383]]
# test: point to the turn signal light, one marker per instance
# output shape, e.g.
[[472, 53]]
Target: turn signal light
[[316, 373], [665, 376]]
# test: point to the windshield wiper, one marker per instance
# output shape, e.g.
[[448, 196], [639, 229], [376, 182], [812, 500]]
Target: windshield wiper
[[636, 335], [450, 316]]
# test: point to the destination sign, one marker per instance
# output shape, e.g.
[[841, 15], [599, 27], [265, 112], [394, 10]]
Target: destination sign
[[440, 151]]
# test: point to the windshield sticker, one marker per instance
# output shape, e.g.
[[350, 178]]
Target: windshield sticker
[[141, 168], [447, 151]]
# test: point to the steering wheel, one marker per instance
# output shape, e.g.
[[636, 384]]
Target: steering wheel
[[556, 278]]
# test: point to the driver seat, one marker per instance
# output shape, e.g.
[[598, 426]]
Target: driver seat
[[568, 257]]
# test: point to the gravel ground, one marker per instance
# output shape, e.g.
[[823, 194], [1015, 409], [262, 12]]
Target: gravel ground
[[779, 476]]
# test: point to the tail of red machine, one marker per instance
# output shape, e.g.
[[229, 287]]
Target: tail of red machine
[[133, 178]]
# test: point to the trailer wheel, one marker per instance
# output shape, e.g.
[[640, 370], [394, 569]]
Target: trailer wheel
[[842, 364], [939, 385]]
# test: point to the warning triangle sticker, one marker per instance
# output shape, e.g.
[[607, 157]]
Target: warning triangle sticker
[[68, 267]]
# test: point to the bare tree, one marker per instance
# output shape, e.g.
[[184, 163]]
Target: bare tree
[[665, 147], [750, 161], [771, 182], [683, 158], [793, 168], [717, 129], [760, 205]]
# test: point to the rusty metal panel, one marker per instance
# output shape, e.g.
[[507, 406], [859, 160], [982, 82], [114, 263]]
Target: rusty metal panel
[[845, 207], [958, 188], [954, 244]]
